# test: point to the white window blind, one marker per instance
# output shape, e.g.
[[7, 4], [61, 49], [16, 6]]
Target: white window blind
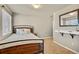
[[6, 23]]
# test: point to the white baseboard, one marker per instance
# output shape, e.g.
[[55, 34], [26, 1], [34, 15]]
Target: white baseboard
[[66, 47]]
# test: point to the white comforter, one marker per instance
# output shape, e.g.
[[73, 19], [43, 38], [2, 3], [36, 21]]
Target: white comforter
[[14, 37]]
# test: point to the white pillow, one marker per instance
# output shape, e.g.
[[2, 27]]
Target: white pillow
[[18, 31], [22, 31]]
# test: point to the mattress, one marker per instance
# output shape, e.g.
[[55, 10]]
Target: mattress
[[15, 39]]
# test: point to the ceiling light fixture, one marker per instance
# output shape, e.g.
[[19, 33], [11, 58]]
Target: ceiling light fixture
[[72, 13], [36, 5]]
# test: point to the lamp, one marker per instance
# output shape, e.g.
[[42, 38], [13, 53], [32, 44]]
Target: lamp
[[36, 5]]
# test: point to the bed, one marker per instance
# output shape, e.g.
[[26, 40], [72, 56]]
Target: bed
[[22, 41]]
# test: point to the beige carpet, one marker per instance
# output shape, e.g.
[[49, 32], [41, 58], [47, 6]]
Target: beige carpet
[[52, 48]]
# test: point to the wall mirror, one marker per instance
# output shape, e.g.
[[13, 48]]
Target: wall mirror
[[70, 18]]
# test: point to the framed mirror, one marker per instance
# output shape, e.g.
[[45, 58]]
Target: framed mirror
[[70, 18]]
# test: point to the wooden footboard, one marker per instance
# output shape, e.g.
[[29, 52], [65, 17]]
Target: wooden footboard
[[32, 48]]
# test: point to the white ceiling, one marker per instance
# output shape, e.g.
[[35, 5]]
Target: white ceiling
[[27, 9]]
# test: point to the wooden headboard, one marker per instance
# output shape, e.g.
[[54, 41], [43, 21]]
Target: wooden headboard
[[23, 27]]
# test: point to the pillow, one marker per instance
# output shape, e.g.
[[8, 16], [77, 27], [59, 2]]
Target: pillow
[[22, 31], [27, 31], [18, 31]]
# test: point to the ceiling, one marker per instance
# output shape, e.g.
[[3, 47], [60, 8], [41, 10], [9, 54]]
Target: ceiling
[[27, 9]]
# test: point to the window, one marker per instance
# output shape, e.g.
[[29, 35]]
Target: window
[[6, 23]]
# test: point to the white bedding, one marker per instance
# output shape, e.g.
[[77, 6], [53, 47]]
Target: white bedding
[[14, 37]]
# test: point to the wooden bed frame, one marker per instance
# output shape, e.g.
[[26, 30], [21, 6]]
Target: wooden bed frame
[[31, 48], [23, 27]]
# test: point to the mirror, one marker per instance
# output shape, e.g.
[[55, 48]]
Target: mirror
[[69, 19]]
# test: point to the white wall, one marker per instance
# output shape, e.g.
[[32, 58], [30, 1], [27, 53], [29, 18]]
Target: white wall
[[41, 24], [66, 40]]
